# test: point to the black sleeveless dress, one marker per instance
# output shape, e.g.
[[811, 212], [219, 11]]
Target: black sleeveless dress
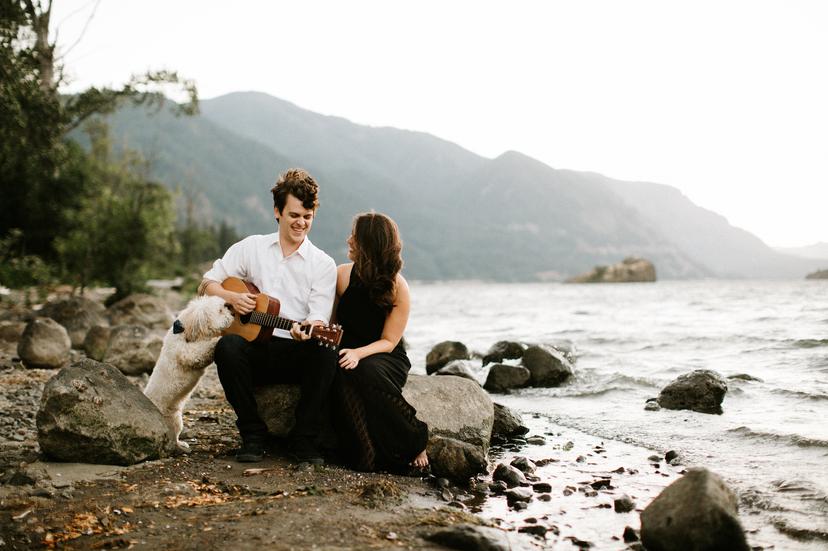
[[377, 428]]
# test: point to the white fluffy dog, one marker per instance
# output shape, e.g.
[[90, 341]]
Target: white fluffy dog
[[187, 350]]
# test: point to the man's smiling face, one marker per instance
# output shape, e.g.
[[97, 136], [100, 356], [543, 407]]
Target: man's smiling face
[[295, 221]]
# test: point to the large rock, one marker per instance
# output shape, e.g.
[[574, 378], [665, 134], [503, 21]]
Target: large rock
[[697, 512], [630, 270], [454, 459], [444, 353], [133, 349], [91, 413], [507, 423], [503, 350], [77, 315], [819, 274], [469, 537], [277, 407], [140, 309], [97, 341], [44, 344], [547, 366], [701, 390], [458, 368], [503, 377], [452, 407]]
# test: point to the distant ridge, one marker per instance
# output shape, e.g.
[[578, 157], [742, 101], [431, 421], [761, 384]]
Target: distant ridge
[[463, 216]]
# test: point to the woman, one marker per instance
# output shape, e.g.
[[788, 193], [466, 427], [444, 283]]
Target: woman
[[378, 428]]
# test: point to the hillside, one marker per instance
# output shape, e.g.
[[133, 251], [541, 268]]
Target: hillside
[[511, 218]]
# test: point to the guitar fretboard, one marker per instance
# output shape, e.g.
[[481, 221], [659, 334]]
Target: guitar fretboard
[[269, 320]]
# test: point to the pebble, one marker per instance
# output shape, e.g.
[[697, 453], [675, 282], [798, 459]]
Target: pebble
[[446, 495], [652, 406], [442, 483], [498, 487], [670, 455], [534, 529], [536, 440], [457, 505], [630, 534], [654, 459], [542, 487], [519, 505], [518, 494], [623, 504], [524, 464], [545, 497]]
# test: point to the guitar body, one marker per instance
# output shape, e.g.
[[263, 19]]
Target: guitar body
[[258, 325], [264, 303]]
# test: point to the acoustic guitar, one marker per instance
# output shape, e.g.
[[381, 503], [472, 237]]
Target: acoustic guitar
[[258, 324]]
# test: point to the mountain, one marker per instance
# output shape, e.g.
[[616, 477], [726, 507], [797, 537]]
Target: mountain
[[511, 218]]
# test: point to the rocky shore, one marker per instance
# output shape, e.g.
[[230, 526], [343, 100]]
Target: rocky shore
[[497, 481]]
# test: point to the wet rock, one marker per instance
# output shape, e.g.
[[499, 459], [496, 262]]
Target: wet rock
[[701, 390], [507, 423], [630, 534], [77, 314], [519, 505], [503, 377], [96, 341], [141, 309], [458, 368], [133, 349], [518, 494], [744, 377], [91, 413], [44, 344], [498, 487], [547, 366], [697, 511], [503, 350], [510, 475], [542, 487], [534, 529], [445, 352], [454, 459], [536, 440], [471, 537], [526, 465], [623, 504], [545, 497], [652, 405], [453, 407], [670, 455]]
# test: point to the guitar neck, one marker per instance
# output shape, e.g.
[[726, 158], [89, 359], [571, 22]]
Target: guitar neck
[[269, 320]]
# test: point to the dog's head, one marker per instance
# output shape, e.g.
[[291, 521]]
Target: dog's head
[[205, 317]]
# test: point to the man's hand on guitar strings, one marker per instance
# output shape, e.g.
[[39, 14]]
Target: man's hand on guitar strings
[[242, 303]]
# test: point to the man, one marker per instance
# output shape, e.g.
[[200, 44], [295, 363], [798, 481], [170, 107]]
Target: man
[[287, 266]]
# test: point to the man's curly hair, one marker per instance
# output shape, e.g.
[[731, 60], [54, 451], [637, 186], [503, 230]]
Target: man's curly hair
[[300, 184]]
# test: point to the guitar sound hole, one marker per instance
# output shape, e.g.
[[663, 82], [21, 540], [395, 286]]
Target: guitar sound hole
[[244, 318]]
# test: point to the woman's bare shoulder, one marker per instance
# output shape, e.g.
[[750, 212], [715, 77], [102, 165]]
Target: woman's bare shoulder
[[343, 277]]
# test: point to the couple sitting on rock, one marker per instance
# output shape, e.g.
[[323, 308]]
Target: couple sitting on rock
[[361, 383]]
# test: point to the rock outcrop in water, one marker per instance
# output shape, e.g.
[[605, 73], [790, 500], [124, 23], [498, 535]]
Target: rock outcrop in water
[[819, 274], [697, 511], [445, 352], [701, 390], [630, 270]]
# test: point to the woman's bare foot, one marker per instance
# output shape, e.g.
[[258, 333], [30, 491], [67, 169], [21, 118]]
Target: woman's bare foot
[[421, 461]]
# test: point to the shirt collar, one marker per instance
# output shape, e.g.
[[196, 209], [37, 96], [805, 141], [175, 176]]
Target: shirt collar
[[303, 249]]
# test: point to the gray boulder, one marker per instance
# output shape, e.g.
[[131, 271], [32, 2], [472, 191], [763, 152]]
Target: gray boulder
[[133, 349], [512, 476], [701, 390], [91, 413], [503, 377], [458, 368], [453, 407], [456, 460], [444, 353], [96, 341], [547, 366], [77, 315], [141, 309], [503, 350], [44, 344], [696, 512], [507, 423], [472, 538], [277, 407]]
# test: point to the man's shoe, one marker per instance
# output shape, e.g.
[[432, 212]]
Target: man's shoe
[[252, 451], [303, 451]]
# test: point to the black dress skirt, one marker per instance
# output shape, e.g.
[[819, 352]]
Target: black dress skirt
[[377, 429]]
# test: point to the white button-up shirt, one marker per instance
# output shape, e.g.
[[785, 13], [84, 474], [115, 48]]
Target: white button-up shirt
[[304, 281]]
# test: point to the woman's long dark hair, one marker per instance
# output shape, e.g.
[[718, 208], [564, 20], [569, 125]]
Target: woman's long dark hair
[[377, 256]]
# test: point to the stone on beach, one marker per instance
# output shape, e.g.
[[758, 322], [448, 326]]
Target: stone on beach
[[701, 390], [458, 368], [45, 344], [454, 459], [526, 465], [277, 406], [133, 349], [507, 423], [503, 377], [512, 476], [547, 366], [623, 504], [77, 314], [445, 352], [96, 341], [697, 511], [471, 537], [91, 413], [141, 309], [503, 350]]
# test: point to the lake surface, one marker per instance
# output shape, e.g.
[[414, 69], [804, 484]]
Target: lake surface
[[771, 442]]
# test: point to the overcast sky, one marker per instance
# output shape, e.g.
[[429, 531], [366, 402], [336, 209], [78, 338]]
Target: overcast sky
[[725, 100]]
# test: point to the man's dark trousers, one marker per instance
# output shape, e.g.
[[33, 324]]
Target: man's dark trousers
[[243, 365]]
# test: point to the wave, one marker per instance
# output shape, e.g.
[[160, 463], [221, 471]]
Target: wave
[[817, 396], [792, 439]]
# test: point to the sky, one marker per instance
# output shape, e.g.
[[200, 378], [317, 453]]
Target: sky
[[725, 100]]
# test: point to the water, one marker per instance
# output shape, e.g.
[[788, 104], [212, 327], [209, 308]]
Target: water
[[771, 442]]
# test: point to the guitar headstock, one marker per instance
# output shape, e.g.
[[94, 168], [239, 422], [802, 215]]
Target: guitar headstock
[[327, 335]]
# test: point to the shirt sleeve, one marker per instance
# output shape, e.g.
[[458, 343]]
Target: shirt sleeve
[[320, 304], [232, 264]]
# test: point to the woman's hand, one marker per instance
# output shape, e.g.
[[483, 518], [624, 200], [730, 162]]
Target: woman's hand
[[242, 303], [348, 358]]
